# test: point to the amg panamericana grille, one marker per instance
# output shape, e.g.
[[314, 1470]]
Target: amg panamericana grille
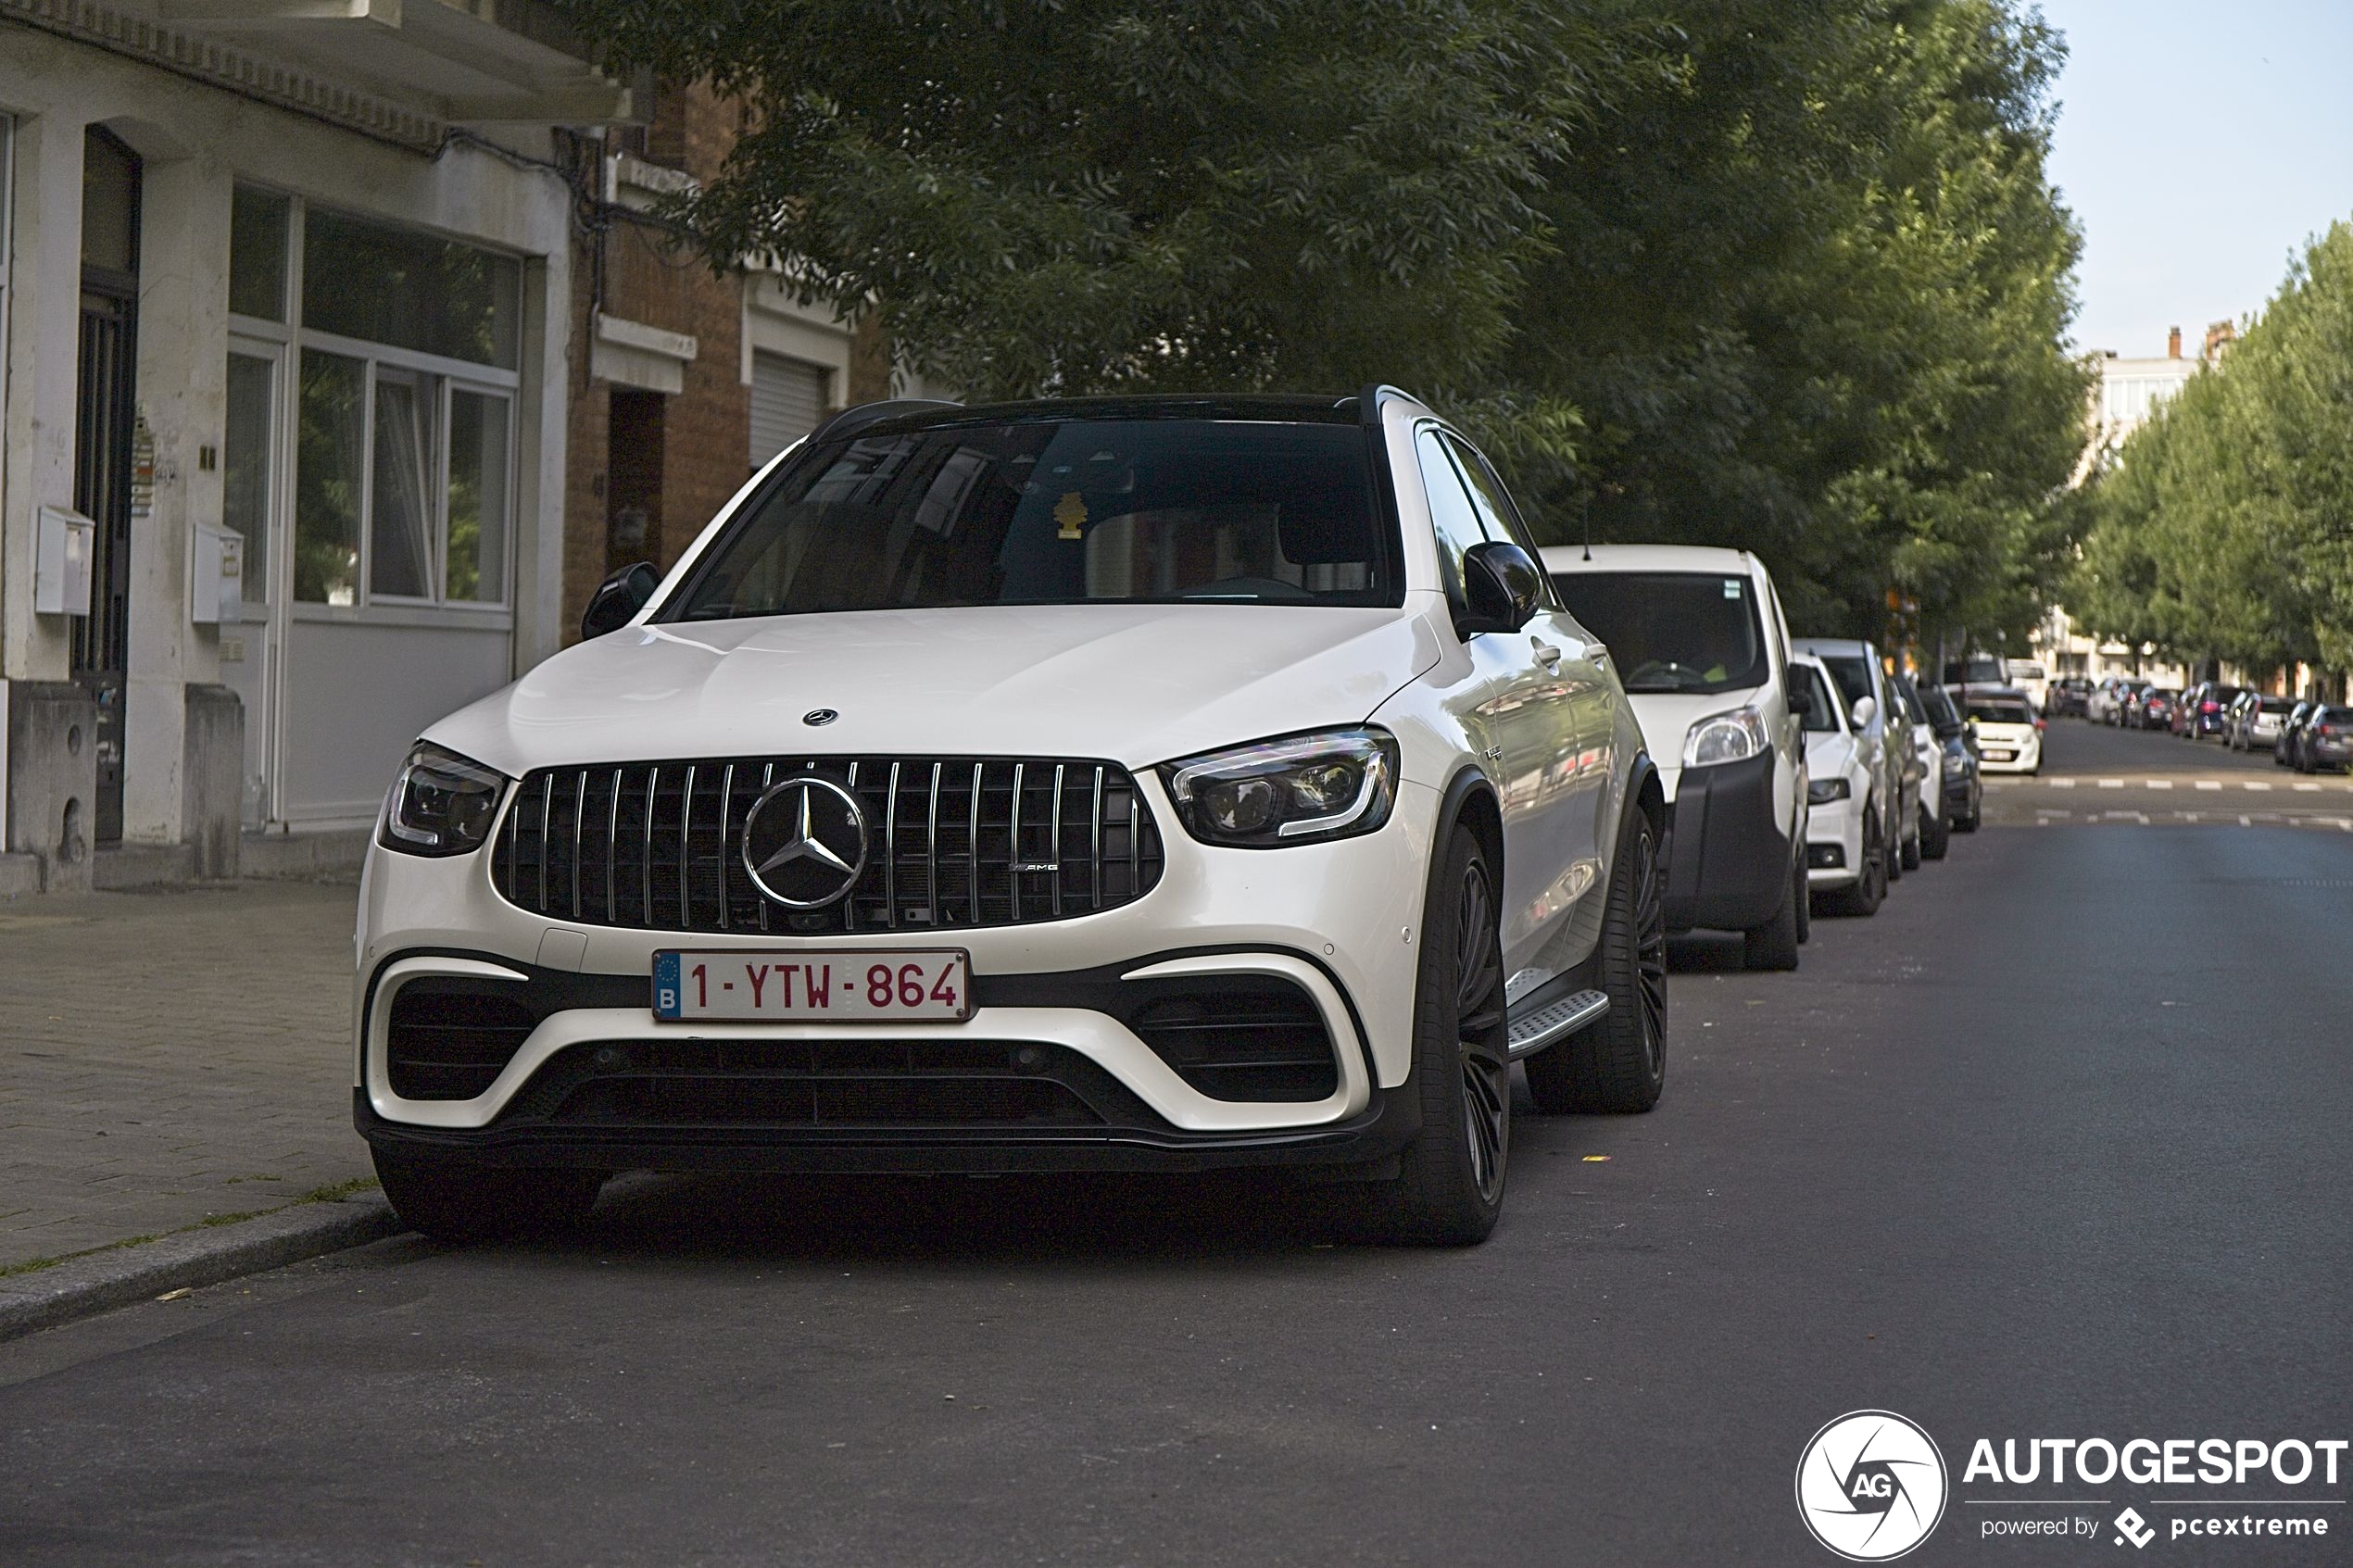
[[950, 843]]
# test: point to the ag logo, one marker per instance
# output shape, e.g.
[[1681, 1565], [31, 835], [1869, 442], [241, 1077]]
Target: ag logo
[[1870, 1485]]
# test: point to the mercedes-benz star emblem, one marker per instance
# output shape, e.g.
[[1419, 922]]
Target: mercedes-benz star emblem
[[819, 716], [805, 843]]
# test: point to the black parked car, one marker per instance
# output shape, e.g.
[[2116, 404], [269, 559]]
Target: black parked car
[[2153, 709], [2203, 710], [1964, 789], [2070, 693], [2291, 731], [2324, 744]]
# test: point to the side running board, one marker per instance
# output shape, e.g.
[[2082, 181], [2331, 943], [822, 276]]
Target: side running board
[[1555, 1021]]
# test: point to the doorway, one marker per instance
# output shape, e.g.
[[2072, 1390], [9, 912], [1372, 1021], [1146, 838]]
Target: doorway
[[104, 447]]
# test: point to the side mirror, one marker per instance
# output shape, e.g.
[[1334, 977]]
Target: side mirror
[[618, 599], [1502, 588], [1866, 709], [1801, 703]]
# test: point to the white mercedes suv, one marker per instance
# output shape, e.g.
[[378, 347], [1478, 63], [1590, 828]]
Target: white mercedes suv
[[1144, 784]]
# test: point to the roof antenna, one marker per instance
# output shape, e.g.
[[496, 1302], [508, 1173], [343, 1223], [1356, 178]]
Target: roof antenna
[[1585, 504]]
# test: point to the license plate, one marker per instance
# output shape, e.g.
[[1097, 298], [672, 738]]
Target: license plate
[[842, 985], [1997, 757]]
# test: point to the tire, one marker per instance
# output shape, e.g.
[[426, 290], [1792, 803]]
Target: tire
[[1618, 1065], [1975, 819], [1892, 863], [1869, 889], [1913, 851], [463, 1203], [1449, 1189], [1936, 835], [1774, 944], [1805, 903]]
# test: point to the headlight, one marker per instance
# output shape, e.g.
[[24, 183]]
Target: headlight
[[441, 804], [1726, 737], [1302, 790], [1821, 792]]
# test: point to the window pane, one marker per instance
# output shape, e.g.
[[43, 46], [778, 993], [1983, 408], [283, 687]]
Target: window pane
[[1450, 511], [245, 465], [329, 458], [399, 526], [257, 253], [371, 281], [478, 469]]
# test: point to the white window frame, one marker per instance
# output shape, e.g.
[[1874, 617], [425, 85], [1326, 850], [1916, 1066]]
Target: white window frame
[[449, 375]]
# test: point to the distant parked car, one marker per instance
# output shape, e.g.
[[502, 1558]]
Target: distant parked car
[[2202, 714], [2153, 709], [1935, 834], [1977, 670], [2325, 743], [1855, 665], [2291, 727], [2026, 675], [1964, 793], [2255, 719], [2100, 707], [1847, 847], [1698, 638], [2071, 698], [2009, 732]]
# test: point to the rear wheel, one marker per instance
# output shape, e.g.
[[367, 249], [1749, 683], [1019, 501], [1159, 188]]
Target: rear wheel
[[1620, 1064], [1913, 849], [1449, 1188], [1936, 835], [462, 1203]]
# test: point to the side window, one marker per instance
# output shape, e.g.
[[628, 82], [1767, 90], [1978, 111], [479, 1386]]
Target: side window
[[1451, 513], [1500, 519]]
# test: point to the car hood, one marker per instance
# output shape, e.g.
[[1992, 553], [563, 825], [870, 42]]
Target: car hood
[[1132, 683], [2004, 734], [1667, 717]]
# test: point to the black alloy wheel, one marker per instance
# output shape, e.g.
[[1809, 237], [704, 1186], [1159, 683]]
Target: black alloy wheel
[[1481, 1031], [1619, 1064], [1448, 1186]]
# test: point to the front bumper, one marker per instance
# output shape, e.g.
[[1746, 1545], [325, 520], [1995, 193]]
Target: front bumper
[[1339, 923], [1834, 845], [1728, 851], [2026, 759]]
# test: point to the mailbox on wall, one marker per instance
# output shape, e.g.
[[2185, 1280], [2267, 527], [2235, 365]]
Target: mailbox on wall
[[216, 585], [64, 546]]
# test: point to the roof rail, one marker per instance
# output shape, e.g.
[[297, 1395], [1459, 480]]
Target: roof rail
[[860, 416], [1368, 402]]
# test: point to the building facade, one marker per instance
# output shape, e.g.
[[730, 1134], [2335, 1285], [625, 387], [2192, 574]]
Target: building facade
[[287, 331]]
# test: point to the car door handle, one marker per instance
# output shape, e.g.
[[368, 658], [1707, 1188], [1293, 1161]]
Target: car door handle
[[1546, 655]]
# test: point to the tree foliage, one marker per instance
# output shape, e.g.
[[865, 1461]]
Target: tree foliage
[[1788, 276], [2224, 527]]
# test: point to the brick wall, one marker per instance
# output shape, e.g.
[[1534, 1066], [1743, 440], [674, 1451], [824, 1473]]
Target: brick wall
[[636, 270]]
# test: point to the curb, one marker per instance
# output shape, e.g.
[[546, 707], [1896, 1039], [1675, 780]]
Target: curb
[[81, 1287]]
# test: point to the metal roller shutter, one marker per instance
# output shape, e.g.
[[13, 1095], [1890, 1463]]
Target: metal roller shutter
[[788, 399]]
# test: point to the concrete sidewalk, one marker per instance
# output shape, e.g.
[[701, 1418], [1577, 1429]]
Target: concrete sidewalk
[[170, 1057]]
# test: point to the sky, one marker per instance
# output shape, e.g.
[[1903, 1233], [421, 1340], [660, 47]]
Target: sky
[[2200, 142]]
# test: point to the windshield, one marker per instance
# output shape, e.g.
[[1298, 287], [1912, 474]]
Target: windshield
[[1035, 511], [2275, 705], [2000, 712], [1671, 631], [1938, 703], [1853, 674]]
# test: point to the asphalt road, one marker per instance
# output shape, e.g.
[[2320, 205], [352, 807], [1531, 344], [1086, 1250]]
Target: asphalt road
[[2053, 1146]]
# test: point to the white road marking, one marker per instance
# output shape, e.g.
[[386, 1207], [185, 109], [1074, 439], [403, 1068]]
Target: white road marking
[[2253, 785], [2315, 788], [2243, 821], [2062, 783], [2160, 783], [2111, 783], [2210, 783]]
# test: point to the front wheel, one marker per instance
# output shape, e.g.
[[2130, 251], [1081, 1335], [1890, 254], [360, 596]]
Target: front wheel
[[1620, 1064], [463, 1203], [1449, 1188], [1863, 896]]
